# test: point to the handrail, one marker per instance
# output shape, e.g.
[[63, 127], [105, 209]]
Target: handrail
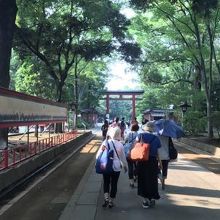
[[26, 132], [13, 156]]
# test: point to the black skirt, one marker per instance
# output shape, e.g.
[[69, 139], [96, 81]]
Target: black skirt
[[147, 178]]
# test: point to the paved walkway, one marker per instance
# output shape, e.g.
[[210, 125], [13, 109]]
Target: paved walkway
[[192, 192]]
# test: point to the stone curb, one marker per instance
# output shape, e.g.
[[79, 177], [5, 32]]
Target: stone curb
[[215, 151], [83, 203]]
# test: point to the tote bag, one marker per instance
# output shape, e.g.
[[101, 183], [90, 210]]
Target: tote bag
[[173, 153], [104, 162], [141, 150]]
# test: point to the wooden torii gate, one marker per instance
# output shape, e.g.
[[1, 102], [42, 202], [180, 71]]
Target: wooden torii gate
[[122, 95]]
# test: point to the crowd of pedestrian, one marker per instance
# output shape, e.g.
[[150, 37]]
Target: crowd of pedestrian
[[143, 174]]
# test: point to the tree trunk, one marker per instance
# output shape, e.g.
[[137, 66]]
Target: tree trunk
[[76, 91], [59, 127], [8, 11], [209, 121]]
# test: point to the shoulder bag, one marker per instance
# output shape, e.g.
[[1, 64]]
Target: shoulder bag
[[104, 162], [141, 150], [173, 154], [129, 145]]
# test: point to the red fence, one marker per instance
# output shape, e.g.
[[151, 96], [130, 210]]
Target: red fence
[[13, 156]]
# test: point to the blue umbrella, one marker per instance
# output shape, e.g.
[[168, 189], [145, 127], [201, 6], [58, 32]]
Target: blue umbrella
[[169, 128]]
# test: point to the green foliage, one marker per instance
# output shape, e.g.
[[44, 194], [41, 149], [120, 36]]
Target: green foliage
[[194, 122], [180, 50], [29, 79], [130, 52], [140, 4], [204, 7], [63, 34], [215, 117], [82, 124], [216, 96], [120, 109], [91, 83]]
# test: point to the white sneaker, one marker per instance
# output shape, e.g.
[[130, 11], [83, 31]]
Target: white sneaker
[[145, 204], [159, 175]]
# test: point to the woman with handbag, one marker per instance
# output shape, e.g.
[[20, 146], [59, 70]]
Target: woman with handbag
[[129, 142], [119, 162], [147, 170]]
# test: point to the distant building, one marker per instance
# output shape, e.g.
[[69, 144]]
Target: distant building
[[155, 114], [89, 115]]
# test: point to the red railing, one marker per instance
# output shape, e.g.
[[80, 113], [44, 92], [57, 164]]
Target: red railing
[[15, 155]]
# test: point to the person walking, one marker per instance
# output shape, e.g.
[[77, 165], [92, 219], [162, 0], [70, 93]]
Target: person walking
[[147, 170], [134, 121], [104, 129], [119, 162], [122, 127], [115, 123], [163, 153], [129, 143]]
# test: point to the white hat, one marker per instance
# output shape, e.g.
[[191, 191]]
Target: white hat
[[149, 126], [114, 133]]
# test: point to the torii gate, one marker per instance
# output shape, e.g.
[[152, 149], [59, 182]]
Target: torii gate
[[122, 95]]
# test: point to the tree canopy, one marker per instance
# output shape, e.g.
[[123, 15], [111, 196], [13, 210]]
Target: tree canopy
[[60, 50]]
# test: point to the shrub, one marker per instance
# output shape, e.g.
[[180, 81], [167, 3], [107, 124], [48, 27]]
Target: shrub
[[194, 122], [215, 118]]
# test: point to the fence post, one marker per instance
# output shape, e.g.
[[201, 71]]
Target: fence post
[[5, 158]]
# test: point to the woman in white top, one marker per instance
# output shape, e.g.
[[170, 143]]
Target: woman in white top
[[119, 162]]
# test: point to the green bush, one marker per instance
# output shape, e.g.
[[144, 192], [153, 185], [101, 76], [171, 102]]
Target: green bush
[[81, 124], [215, 118], [194, 122]]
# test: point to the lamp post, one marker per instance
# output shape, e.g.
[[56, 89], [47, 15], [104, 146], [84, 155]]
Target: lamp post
[[184, 106]]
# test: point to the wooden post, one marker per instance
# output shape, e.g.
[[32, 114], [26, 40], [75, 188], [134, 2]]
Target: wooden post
[[107, 104], [133, 107]]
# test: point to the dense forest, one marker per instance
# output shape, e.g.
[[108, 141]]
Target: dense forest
[[60, 50]]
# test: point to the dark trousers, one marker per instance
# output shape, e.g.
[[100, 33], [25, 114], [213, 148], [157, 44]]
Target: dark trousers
[[132, 168], [164, 167], [111, 183], [147, 178]]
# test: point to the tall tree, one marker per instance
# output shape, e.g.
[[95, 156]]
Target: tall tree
[[8, 10], [62, 33], [192, 27]]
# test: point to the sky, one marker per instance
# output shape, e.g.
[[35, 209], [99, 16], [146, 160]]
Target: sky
[[121, 77]]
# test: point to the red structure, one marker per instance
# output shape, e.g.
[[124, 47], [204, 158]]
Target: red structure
[[122, 95], [19, 109]]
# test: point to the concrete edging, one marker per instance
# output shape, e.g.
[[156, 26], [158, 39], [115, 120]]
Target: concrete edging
[[215, 151]]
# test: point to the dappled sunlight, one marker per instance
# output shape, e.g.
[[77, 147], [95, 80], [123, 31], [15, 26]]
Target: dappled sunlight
[[91, 147], [94, 149], [86, 148], [180, 165], [194, 201], [95, 142], [190, 185], [188, 168]]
